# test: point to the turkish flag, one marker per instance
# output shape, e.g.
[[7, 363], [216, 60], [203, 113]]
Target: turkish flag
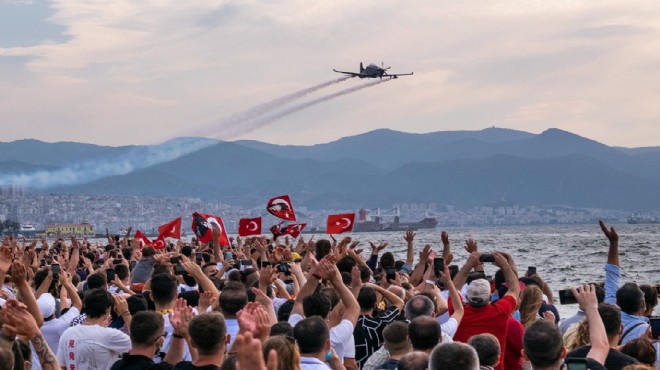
[[159, 243], [340, 223], [281, 207], [292, 229], [201, 226], [249, 226], [171, 229], [144, 241]]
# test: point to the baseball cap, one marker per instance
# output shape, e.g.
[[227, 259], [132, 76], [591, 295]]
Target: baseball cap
[[46, 303], [478, 293]]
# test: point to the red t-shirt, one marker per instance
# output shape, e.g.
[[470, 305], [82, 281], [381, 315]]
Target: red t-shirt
[[492, 318], [514, 345]]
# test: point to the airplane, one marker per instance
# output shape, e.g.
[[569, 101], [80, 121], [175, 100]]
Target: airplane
[[373, 71]]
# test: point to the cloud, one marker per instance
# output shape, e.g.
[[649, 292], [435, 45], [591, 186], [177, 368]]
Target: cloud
[[144, 71]]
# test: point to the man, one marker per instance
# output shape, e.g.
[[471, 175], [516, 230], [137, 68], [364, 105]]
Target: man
[[143, 269], [90, 345], [480, 315], [313, 338], [542, 342], [488, 350], [232, 299], [611, 316], [147, 336], [628, 297], [163, 293], [424, 333], [414, 361], [368, 333], [53, 327], [453, 356], [208, 335], [397, 343]]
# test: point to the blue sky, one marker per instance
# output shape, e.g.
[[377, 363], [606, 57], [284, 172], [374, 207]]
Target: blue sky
[[124, 71]]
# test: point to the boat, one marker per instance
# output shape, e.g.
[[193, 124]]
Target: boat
[[27, 230], [365, 224], [643, 221]]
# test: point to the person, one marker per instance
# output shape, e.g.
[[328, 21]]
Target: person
[[368, 332], [143, 269], [90, 345], [453, 356], [208, 336], [650, 298], [313, 338], [163, 293], [480, 315], [147, 336], [288, 356], [531, 300], [414, 361], [232, 299], [397, 343], [488, 350], [611, 317], [542, 342], [424, 333], [628, 297], [640, 349]]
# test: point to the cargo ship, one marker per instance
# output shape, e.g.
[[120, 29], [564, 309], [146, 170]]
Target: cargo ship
[[365, 224]]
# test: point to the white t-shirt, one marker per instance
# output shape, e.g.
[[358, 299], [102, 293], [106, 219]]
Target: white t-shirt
[[341, 337], [52, 330], [169, 331], [91, 347]]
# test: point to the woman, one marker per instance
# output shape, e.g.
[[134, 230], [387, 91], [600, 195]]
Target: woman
[[288, 357], [530, 302]]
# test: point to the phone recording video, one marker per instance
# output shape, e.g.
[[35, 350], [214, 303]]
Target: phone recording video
[[283, 268], [110, 274], [438, 265], [390, 273], [566, 296], [531, 271], [487, 258], [573, 363], [655, 327]]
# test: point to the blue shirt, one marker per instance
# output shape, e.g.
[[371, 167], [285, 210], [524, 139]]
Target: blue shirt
[[612, 282], [628, 321]]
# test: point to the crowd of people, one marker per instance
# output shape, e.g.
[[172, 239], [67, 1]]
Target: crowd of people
[[308, 305]]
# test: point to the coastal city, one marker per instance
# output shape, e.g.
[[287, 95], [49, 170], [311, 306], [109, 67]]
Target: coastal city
[[91, 215]]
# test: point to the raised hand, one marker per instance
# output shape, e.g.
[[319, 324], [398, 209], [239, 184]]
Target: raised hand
[[549, 316], [586, 297], [444, 237], [356, 280], [180, 318], [377, 248], [18, 273], [5, 258], [18, 320], [409, 236], [424, 254], [609, 233], [471, 246], [205, 300], [250, 354]]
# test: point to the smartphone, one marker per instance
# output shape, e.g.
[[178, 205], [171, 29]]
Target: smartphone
[[566, 296], [438, 265], [117, 261], [283, 267], [573, 363], [110, 274], [655, 327], [245, 264], [487, 258], [229, 256], [175, 260], [390, 273], [55, 267], [198, 257], [43, 262], [531, 271], [179, 270], [265, 263]]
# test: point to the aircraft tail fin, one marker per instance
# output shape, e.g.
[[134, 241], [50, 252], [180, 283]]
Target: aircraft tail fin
[[361, 68]]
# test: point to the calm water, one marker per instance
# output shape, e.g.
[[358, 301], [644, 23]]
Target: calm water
[[563, 255]]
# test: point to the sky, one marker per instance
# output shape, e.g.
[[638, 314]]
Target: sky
[[142, 72]]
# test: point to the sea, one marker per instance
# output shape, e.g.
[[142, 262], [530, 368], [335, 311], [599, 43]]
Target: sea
[[564, 255]]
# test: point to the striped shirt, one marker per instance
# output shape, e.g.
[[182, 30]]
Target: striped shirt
[[368, 334]]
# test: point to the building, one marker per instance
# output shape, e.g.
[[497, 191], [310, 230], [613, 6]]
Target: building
[[83, 229]]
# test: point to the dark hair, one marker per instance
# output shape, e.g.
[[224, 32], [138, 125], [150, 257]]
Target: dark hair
[[416, 360], [346, 278], [285, 309], [233, 298], [191, 297], [208, 332], [97, 302], [630, 298], [417, 306], [39, 278], [642, 349], [395, 335], [186, 251], [230, 362], [453, 356], [650, 296], [163, 288], [311, 334], [137, 303], [282, 328], [148, 251], [332, 295], [543, 344], [367, 298], [611, 316], [121, 271], [346, 264], [146, 328], [316, 303], [189, 280], [424, 333], [97, 280], [323, 247], [387, 260], [365, 273], [487, 347]]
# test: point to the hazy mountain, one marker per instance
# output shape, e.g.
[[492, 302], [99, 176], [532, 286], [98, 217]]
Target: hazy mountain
[[55, 154]]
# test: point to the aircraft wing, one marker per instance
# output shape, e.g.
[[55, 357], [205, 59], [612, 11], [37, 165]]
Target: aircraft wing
[[354, 74], [399, 74]]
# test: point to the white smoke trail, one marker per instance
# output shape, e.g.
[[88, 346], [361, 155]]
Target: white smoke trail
[[264, 108], [234, 131], [84, 172]]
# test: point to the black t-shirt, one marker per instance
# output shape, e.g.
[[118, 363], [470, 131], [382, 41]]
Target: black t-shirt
[[615, 360], [139, 362], [187, 365]]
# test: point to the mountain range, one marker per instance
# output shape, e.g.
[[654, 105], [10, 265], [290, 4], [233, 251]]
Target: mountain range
[[377, 168]]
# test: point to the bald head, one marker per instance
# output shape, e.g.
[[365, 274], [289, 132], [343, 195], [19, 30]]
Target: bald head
[[414, 361], [400, 292]]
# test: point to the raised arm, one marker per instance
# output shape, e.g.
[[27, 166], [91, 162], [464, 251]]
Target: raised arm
[[306, 290], [600, 347], [612, 270], [196, 272], [65, 281], [409, 238], [75, 255], [509, 276], [470, 263], [456, 300], [390, 297], [19, 277], [329, 271]]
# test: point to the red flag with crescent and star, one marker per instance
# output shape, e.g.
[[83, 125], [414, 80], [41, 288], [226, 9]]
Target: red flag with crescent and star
[[201, 226], [159, 243], [292, 229], [340, 223], [249, 226], [171, 229], [144, 241], [281, 207]]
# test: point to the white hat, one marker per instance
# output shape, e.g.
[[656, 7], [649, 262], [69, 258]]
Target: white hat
[[478, 292], [46, 304]]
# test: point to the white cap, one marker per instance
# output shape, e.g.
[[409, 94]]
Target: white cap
[[46, 303]]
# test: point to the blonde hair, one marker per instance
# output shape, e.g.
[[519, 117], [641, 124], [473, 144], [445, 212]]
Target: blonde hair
[[530, 302], [577, 336], [288, 357]]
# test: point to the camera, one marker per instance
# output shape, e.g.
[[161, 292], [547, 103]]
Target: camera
[[487, 258]]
